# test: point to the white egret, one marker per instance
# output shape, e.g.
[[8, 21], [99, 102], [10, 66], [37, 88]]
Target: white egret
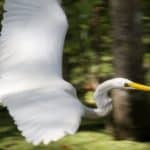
[[44, 107]]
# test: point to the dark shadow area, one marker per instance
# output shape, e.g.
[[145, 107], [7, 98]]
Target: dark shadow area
[[140, 115], [7, 126], [92, 125]]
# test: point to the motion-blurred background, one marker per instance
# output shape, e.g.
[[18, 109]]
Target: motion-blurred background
[[107, 38]]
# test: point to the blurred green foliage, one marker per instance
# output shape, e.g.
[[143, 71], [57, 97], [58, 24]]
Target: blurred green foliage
[[83, 59]]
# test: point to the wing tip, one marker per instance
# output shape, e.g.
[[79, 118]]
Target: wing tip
[[46, 138]]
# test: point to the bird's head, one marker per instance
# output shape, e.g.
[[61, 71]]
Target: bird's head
[[101, 93], [119, 83], [128, 84]]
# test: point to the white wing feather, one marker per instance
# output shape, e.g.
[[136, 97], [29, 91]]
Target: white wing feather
[[46, 114], [43, 105]]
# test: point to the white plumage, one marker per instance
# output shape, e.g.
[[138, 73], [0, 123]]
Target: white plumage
[[31, 76], [44, 106]]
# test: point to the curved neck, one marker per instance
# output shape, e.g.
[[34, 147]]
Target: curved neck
[[103, 102], [94, 113]]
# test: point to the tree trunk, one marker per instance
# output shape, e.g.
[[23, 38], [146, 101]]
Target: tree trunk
[[128, 57]]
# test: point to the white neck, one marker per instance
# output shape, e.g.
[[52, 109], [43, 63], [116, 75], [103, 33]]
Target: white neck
[[103, 102]]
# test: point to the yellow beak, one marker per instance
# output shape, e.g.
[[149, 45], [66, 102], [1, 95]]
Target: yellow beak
[[138, 86]]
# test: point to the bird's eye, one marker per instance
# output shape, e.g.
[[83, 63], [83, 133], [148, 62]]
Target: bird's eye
[[126, 85]]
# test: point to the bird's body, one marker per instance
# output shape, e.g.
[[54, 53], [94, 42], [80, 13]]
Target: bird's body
[[43, 105]]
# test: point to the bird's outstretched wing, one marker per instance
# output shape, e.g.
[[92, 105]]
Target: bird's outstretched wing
[[44, 115], [33, 35], [43, 105]]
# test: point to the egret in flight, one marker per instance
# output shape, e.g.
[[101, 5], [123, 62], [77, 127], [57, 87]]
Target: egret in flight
[[43, 105]]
